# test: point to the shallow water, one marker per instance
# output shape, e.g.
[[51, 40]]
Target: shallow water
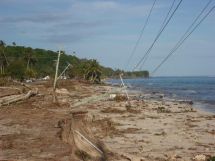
[[201, 90]]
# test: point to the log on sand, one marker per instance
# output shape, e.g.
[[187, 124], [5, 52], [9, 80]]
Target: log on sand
[[23, 84], [15, 98]]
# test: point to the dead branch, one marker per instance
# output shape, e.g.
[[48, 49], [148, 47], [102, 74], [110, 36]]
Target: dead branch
[[15, 98]]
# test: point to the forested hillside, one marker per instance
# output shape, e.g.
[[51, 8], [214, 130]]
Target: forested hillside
[[21, 62]]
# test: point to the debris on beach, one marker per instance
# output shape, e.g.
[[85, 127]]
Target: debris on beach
[[200, 157], [18, 97], [76, 132], [86, 125], [118, 97]]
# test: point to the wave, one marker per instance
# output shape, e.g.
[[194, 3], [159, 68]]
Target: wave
[[191, 91]]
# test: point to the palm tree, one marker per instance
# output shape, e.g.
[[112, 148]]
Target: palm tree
[[93, 72], [3, 58], [13, 43], [31, 60], [2, 43]]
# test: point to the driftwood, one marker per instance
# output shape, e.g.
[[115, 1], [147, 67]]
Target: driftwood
[[15, 98], [23, 84], [92, 99]]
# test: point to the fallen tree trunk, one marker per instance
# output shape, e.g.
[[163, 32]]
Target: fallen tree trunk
[[15, 98]]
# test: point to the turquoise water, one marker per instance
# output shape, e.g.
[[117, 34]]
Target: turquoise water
[[201, 90]]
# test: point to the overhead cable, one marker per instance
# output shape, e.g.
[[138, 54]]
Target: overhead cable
[[140, 36], [180, 42], [157, 37], [165, 19]]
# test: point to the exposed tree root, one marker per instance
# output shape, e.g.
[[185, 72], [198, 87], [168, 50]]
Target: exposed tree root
[[77, 133]]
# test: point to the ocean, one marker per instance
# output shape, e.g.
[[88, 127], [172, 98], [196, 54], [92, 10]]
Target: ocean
[[201, 90]]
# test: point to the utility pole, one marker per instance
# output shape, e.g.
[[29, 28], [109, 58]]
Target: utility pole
[[123, 84], [63, 72], [56, 72]]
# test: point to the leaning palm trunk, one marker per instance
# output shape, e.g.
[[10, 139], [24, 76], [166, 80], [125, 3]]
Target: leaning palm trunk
[[5, 58], [28, 64], [94, 78]]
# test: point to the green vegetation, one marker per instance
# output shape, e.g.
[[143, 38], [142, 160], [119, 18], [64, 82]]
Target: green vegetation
[[19, 62]]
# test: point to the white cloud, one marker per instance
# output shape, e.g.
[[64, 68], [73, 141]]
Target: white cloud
[[73, 20], [105, 5], [111, 9]]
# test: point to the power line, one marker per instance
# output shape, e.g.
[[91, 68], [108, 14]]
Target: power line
[[165, 19], [167, 14], [181, 42], [149, 51], [195, 20], [140, 36], [157, 37]]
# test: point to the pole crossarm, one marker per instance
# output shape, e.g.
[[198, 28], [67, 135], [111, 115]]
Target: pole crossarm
[[64, 71]]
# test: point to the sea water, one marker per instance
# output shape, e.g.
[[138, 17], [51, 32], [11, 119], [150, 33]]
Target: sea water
[[201, 90]]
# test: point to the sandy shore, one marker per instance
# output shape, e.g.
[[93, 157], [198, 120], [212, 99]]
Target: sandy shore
[[148, 130], [157, 130]]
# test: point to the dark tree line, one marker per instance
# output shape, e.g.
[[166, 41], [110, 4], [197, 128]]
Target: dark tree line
[[19, 62]]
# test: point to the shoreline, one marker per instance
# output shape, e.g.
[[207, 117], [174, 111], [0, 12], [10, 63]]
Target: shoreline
[[148, 130], [197, 104], [158, 96], [170, 129], [193, 118]]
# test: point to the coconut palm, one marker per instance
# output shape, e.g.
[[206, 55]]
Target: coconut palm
[[31, 60], [93, 72], [2, 43]]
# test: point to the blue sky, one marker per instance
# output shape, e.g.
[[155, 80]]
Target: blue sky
[[108, 29]]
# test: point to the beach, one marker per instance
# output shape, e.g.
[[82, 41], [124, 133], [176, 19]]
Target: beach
[[37, 128]]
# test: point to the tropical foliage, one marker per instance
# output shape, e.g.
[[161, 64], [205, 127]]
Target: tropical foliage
[[21, 62], [93, 71]]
